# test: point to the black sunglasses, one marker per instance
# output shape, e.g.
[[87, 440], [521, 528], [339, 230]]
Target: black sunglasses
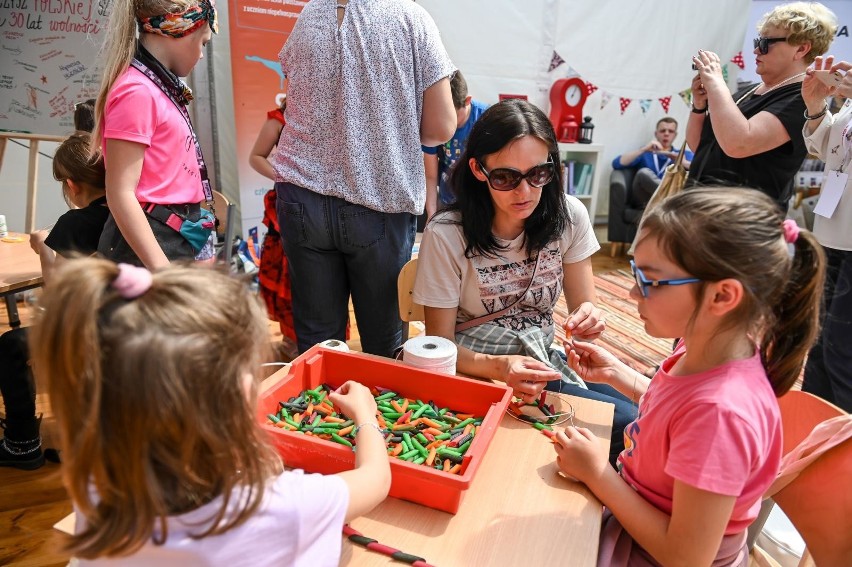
[[505, 179], [762, 43]]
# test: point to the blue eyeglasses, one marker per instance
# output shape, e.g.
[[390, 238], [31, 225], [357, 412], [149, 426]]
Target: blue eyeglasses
[[762, 43], [644, 283]]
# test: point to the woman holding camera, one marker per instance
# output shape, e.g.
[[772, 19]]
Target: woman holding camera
[[754, 138], [828, 372]]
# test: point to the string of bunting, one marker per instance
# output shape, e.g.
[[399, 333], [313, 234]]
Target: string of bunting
[[645, 103], [358, 538]]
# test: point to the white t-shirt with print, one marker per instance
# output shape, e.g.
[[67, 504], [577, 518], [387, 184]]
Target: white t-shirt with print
[[482, 285]]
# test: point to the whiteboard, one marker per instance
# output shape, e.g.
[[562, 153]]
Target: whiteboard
[[48, 54]]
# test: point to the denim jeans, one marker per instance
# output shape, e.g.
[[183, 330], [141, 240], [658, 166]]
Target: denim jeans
[[625, 410], [828, 372], [336, 249]]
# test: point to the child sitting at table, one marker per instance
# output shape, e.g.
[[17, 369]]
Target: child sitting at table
[[76, 231], [155, 396], [721, 268]]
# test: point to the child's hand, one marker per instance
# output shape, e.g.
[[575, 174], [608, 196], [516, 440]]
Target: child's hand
[[579, 455], [355, 400], [528, 376], [586, 322], [36, 239], [592, 362]]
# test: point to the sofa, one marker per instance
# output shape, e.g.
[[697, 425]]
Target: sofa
[[624, 212]]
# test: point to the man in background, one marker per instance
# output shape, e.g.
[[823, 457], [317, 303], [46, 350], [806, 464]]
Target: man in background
[[651, 161]]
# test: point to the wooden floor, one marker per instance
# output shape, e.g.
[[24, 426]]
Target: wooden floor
[[31, 502]]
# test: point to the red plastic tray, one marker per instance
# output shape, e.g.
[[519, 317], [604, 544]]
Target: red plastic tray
[[416, 483]]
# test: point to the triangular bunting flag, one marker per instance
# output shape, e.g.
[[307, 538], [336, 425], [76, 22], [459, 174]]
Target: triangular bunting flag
[[572, 72], [624, 103], [725, 72], [738, 60], [645, 104], [605, 98], [686, 96], [555, 61], [590, 88], [665, 102]]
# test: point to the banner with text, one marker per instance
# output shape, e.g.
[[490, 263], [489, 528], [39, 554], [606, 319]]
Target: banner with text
[[48, 52], [259, 28]]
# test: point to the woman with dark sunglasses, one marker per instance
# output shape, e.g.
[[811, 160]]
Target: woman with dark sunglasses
[[493, 264], [754, 138]]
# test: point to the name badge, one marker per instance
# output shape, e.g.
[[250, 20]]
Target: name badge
[[832, 191]]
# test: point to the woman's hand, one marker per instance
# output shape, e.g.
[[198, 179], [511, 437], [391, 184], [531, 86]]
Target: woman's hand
[[709, 68], [579, 454], [845, 86], [527, 376], [586, 322], [699, 93], [356, 401], [815, 91], [592, 362]]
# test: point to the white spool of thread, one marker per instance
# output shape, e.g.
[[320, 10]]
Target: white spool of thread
[[334, 344], [431, 353]]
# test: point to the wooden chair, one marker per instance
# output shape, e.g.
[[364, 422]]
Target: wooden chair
[[408, 310], [819, 501], [225, 233]]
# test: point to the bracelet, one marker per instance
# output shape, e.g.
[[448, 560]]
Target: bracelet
[[817, 115], [698, 110], [359, 427]]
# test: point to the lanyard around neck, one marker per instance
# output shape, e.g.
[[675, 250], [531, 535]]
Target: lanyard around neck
[[202, 167]]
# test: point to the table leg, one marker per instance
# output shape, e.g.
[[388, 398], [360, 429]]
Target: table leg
[[12, 311]]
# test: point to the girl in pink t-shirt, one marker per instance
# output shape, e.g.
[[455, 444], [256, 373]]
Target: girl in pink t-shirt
[[722, 269], [156, 175], [163, 458]]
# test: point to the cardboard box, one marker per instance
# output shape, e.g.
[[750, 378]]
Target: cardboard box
[[417, 483]]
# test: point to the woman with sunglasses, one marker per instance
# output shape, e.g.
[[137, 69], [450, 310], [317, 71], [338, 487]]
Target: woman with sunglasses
[[493, 264], [754, 138], [721, 268]]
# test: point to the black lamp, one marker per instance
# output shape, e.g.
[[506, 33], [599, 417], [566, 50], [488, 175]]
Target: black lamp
[[586, 129]]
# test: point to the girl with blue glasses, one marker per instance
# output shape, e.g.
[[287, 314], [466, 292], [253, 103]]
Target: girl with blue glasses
[[722, 269]]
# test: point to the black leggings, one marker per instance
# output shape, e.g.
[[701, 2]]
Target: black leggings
[[17, 386]]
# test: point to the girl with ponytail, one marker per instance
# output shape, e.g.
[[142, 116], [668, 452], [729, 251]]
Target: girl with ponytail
[[721, 268], [156, 175]]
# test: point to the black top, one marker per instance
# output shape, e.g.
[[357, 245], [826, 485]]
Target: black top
[[79, 230], [772, 172]]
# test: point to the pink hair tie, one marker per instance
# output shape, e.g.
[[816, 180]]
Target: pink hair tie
[[791, 231], [132, 281]]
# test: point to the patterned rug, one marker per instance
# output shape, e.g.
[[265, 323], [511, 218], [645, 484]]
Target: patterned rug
[[625, 335]]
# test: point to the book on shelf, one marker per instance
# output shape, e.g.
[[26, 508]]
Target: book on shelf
[[583, 181], [568, 184]]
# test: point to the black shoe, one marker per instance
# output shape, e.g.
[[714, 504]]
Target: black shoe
[[26, 455]]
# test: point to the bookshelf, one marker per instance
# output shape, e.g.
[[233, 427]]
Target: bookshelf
[[586, 154]]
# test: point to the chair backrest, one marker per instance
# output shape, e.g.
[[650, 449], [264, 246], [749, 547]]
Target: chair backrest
[[819, 501], [220, 202], [408, 310]]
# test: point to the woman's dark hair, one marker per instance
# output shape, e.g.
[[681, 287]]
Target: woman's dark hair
[[498, 126]]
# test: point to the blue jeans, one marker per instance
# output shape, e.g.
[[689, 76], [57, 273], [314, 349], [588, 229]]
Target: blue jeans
[[336, 249], [625, 410]]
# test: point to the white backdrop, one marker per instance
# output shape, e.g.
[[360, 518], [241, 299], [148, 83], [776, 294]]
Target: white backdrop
[[636, 49]]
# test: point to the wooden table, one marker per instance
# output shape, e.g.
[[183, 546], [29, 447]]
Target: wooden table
[[517, 511], [20, 270]]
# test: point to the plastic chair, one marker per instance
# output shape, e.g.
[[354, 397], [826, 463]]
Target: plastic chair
[[408, 310], [818, 502]]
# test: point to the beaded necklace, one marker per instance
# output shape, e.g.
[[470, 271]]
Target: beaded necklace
[[769, 90]]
